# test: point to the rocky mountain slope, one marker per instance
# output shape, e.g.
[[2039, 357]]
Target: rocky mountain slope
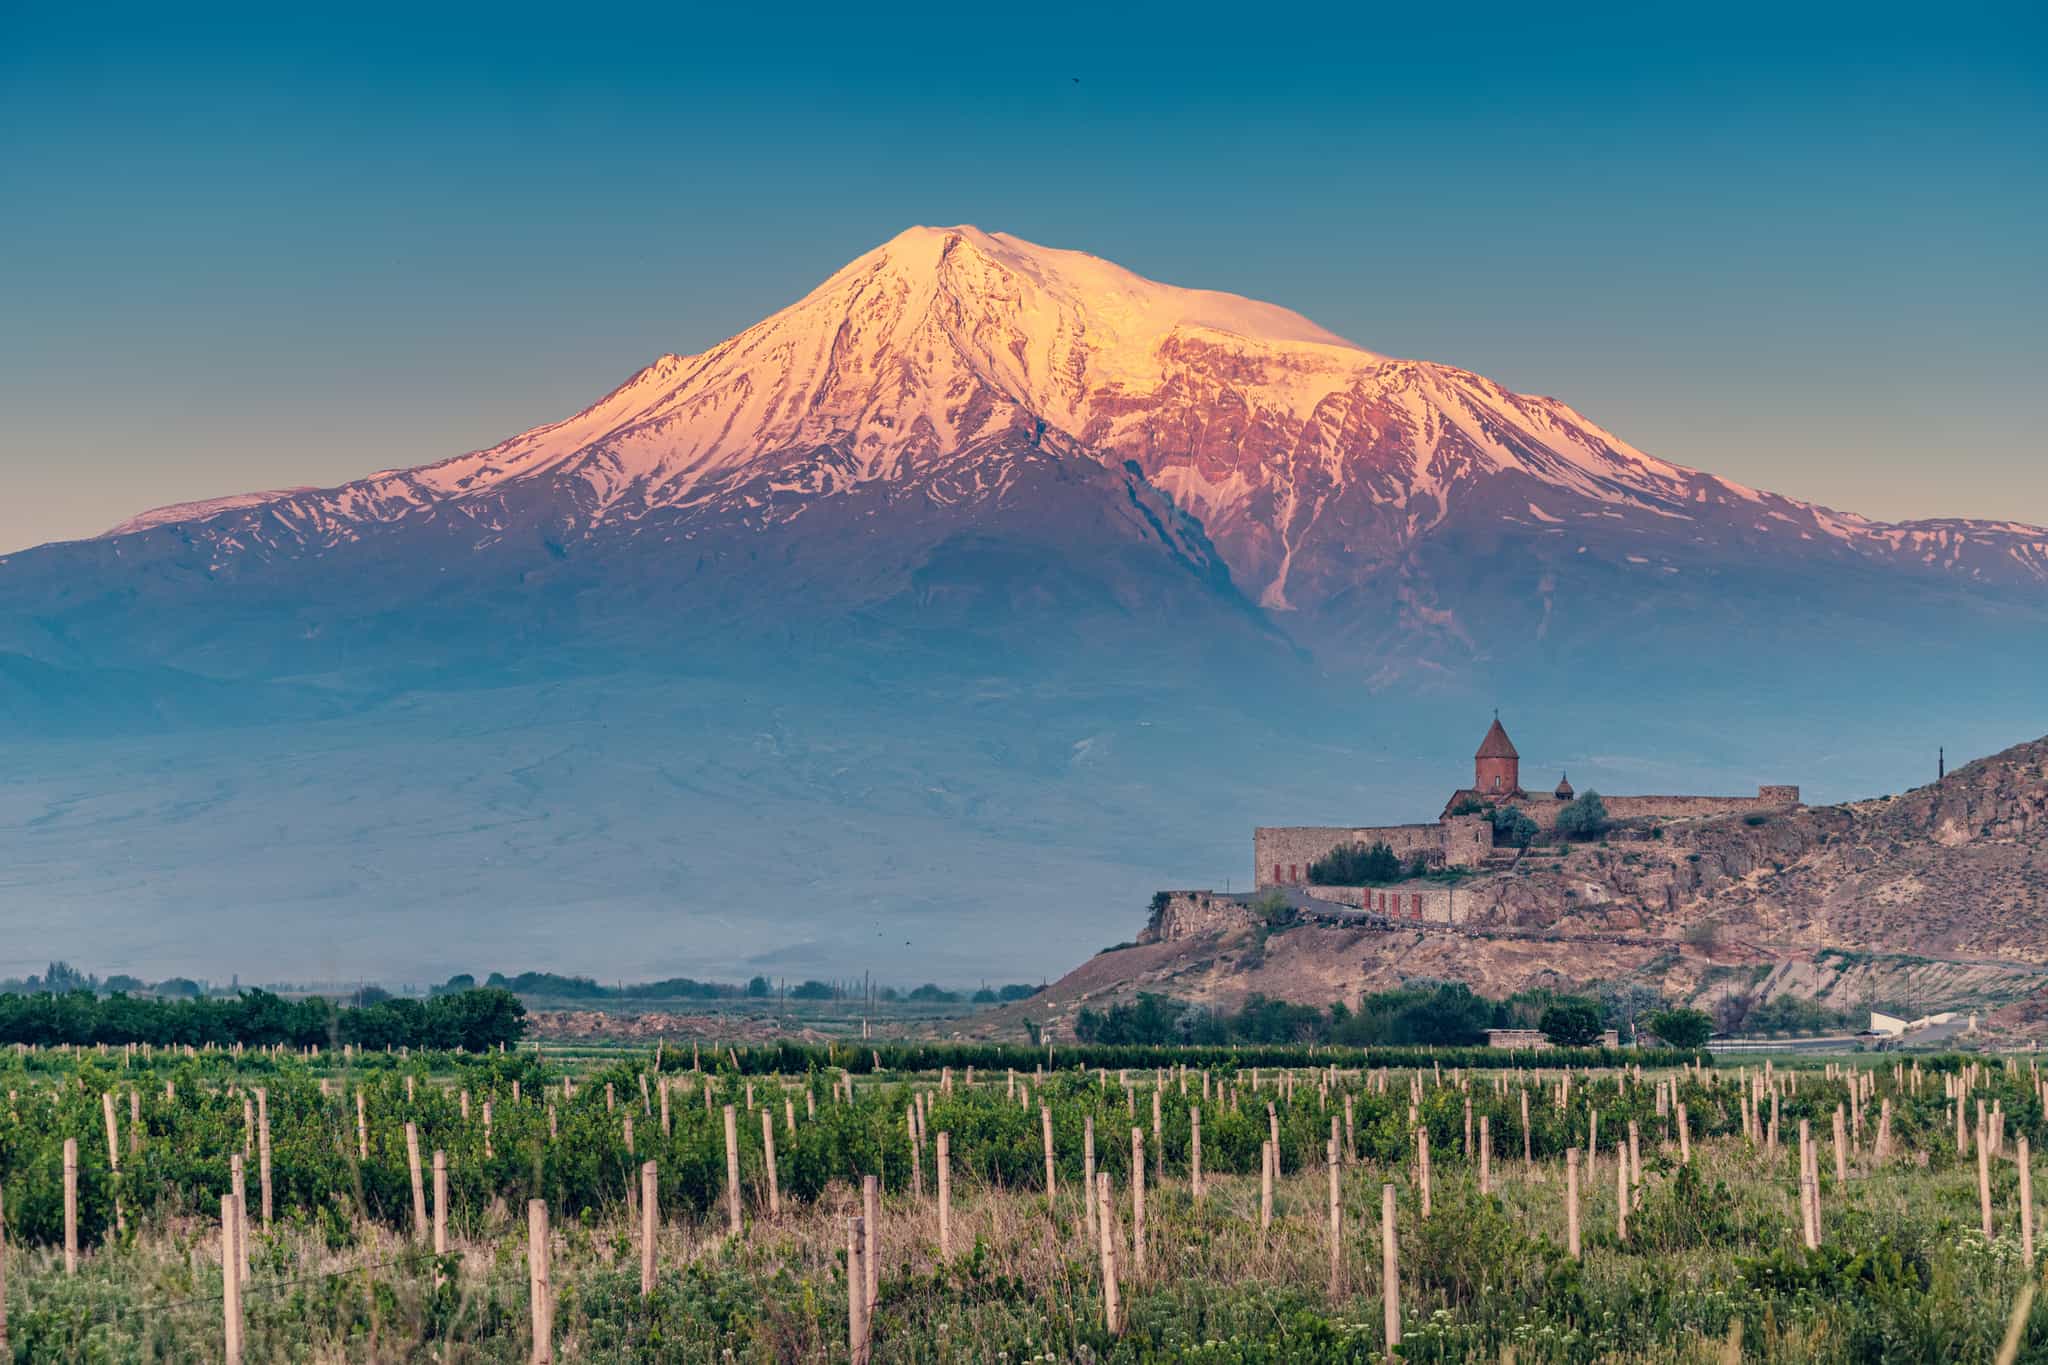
[[1936, 898]]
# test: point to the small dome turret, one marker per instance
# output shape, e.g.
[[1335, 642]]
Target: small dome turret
[[1564, 788]]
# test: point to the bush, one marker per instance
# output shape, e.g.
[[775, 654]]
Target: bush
[[1585, 818], [1356, 865], [1571, 1023], [1681, 1027], [1512, 828]]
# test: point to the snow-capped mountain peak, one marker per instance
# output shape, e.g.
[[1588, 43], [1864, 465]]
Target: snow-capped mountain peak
[[930, 365]]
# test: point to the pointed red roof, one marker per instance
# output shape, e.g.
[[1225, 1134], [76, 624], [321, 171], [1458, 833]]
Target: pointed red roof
[[1496, 744]]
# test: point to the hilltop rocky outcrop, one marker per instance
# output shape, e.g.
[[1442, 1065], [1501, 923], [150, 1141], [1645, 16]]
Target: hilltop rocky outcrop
[[1938, 896]]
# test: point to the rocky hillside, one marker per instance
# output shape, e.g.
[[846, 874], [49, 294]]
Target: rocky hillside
[[1936, 898]]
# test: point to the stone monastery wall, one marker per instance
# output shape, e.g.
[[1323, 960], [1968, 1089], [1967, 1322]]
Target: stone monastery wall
[[1282, 854], [1543, 809]]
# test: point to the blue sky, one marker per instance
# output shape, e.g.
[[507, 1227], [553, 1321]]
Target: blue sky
[[1799, 246]]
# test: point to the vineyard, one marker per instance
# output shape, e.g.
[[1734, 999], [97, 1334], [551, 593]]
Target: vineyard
[[923, 1202]]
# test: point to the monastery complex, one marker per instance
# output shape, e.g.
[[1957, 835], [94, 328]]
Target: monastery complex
[[1463, 834]]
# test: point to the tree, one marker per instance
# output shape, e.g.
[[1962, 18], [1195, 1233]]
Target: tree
[[1356, 865], [1585, 818], [758, 987], [813, 990], [1512, 828], [1681, 1027], [1571, 1023]]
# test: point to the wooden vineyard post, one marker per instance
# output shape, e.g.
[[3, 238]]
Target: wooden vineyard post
[[1195, 1153], [1266, 1185], [663, 1087], [1336, 1223], [1983, 1173], [1137, 1205], [1571, 1202], [871, 1210], [263, 1154], [1390, 1266], [1528, 1140], [1841, 1148], [1105, 1223], [362, 1128], [945, 1161], [70, 1206], [1087, 1178], [856, 1293], [1045, 1136], [1883, 1151], [113, 1133], [768, 1158], [1621, 1196], [1485, 1155], [419, 1187], [2021, 1155], [732, 1171], [114, 1156], [1635, 1161], [1684, 1136], [1808, 1196], [440, 1206], [1422, 1166], [650, 1219], [540, 1289], [237, 1176], [230, 1279]]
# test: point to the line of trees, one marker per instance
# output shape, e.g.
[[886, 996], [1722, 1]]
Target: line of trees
[[470, 1021], [1430, 1014], [555, 986]]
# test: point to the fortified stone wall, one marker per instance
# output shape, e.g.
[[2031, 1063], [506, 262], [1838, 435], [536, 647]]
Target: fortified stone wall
[[1282, 854], [1543, 809], [1409, 901], [1190, 914]]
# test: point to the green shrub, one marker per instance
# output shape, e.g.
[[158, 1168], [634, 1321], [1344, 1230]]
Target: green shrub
[[1584, 818], [1356, 865]]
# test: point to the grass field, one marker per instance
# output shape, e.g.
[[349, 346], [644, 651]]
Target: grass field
[[1714, 1245]]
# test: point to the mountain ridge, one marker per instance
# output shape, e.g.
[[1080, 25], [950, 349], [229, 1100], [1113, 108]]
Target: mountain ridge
[[1256, 421]]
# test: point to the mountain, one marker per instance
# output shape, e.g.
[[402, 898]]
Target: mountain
[[952, 371], [1933, 899], [982, 555]]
